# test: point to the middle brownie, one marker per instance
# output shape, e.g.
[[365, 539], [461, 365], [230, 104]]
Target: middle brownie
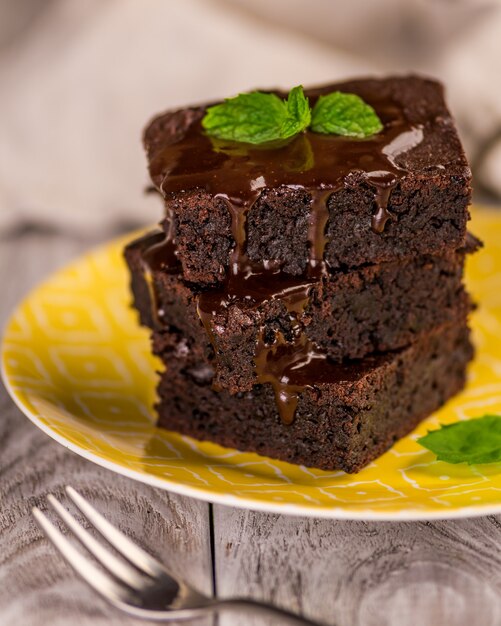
[[346, 315]]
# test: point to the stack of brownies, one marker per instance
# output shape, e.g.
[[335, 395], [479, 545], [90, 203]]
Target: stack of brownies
[[307, 299]]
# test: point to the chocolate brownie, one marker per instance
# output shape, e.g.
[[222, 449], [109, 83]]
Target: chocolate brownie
[[347, 315], [306, 296], [347, 417], [401, 193]]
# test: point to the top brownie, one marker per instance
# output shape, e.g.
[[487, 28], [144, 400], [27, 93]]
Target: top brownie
[[317, 199]]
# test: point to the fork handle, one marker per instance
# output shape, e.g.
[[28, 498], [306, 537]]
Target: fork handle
[[244, 604]]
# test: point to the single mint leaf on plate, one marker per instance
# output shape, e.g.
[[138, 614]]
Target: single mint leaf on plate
[[258, 117], [473, 441], [344, 114]]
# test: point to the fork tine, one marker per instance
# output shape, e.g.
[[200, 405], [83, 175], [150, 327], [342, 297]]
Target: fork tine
[[136, 555], [98, 580], [121, 570]]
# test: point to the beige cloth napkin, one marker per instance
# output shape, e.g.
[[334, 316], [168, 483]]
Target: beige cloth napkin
[[78, 83]]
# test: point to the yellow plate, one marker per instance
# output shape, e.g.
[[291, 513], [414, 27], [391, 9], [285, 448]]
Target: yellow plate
[[79, 366]]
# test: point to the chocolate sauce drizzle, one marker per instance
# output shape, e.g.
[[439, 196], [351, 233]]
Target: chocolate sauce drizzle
[[320, 164]]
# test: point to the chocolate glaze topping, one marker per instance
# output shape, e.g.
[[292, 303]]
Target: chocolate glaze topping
[[239, 173]]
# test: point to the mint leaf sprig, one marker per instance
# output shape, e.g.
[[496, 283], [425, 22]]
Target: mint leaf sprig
[[258, 117], [473, 441]]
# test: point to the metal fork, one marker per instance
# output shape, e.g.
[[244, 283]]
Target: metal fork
[[137, 583]]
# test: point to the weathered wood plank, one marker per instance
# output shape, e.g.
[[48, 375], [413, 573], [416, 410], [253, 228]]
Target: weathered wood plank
[[36, 587], [363, 574]]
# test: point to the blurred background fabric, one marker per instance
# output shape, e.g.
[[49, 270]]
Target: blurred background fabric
[[79, 80]]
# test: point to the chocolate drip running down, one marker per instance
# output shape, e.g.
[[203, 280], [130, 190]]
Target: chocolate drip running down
[[319, 164], [271, 360], [161, 255]]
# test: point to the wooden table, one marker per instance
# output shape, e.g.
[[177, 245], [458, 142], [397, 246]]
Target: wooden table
[[345, 573]]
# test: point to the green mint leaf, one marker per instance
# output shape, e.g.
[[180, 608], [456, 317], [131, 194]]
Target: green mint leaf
[[258, 117], [344, 114], [473, 441], [298, 113]]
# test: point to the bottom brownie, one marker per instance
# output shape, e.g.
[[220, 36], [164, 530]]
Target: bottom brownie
[[344, 423]]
